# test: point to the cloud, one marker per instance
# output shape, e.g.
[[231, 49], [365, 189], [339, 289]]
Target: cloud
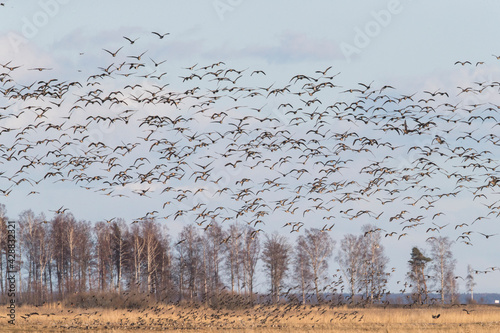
[[291, 47], [21, 51]]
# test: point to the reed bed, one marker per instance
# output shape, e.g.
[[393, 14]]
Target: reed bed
[[56, 318]]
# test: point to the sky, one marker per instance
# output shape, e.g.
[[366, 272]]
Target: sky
[[406, 44]]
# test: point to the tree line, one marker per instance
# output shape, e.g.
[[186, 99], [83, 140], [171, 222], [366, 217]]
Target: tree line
[[63, 256]]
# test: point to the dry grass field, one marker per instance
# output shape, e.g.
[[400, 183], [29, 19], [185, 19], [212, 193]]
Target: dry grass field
[[258, 319]]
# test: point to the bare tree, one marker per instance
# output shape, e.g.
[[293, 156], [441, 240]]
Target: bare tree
[[318, 247], [190, 260], [103, 254], [60, 250], [181, 260], [233, 262], [276, 257], [374, 265], [453, 287], [350, 258], [164, 273], [137, 245], [83, 254], [249, 258], [152, 240], [443, 264], [469, 282], [417, 275], [33, 240], [215, 247], [71, 244], [302, 272], [204, 271], [119, 247]]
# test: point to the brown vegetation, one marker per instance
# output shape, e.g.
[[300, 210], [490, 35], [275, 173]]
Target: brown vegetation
[[259, 318]]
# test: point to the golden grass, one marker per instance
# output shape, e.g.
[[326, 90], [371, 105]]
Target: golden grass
[[50, 318]]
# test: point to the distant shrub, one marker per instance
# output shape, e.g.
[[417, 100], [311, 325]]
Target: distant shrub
[[227, 300], [108, 300]]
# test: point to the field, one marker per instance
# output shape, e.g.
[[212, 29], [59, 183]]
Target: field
[[258, 319]]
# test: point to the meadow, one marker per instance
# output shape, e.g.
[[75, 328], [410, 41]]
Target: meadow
[[283, 318]]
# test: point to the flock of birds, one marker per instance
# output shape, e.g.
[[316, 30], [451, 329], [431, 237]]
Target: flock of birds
[[194, 317], [216, 144]]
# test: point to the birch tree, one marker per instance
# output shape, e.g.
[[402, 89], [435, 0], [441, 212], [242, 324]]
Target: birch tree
[[119, 248], [233, 256], [276, 257], [374, 265], [249, 258], [442, 265], [350, 259], [318, 247], [302, 272], [469, 282], [190, 260]]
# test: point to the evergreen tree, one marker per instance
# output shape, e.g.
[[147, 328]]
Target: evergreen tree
[[417, 275]]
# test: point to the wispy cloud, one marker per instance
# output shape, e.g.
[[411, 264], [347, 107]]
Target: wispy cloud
[[291, 47]]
